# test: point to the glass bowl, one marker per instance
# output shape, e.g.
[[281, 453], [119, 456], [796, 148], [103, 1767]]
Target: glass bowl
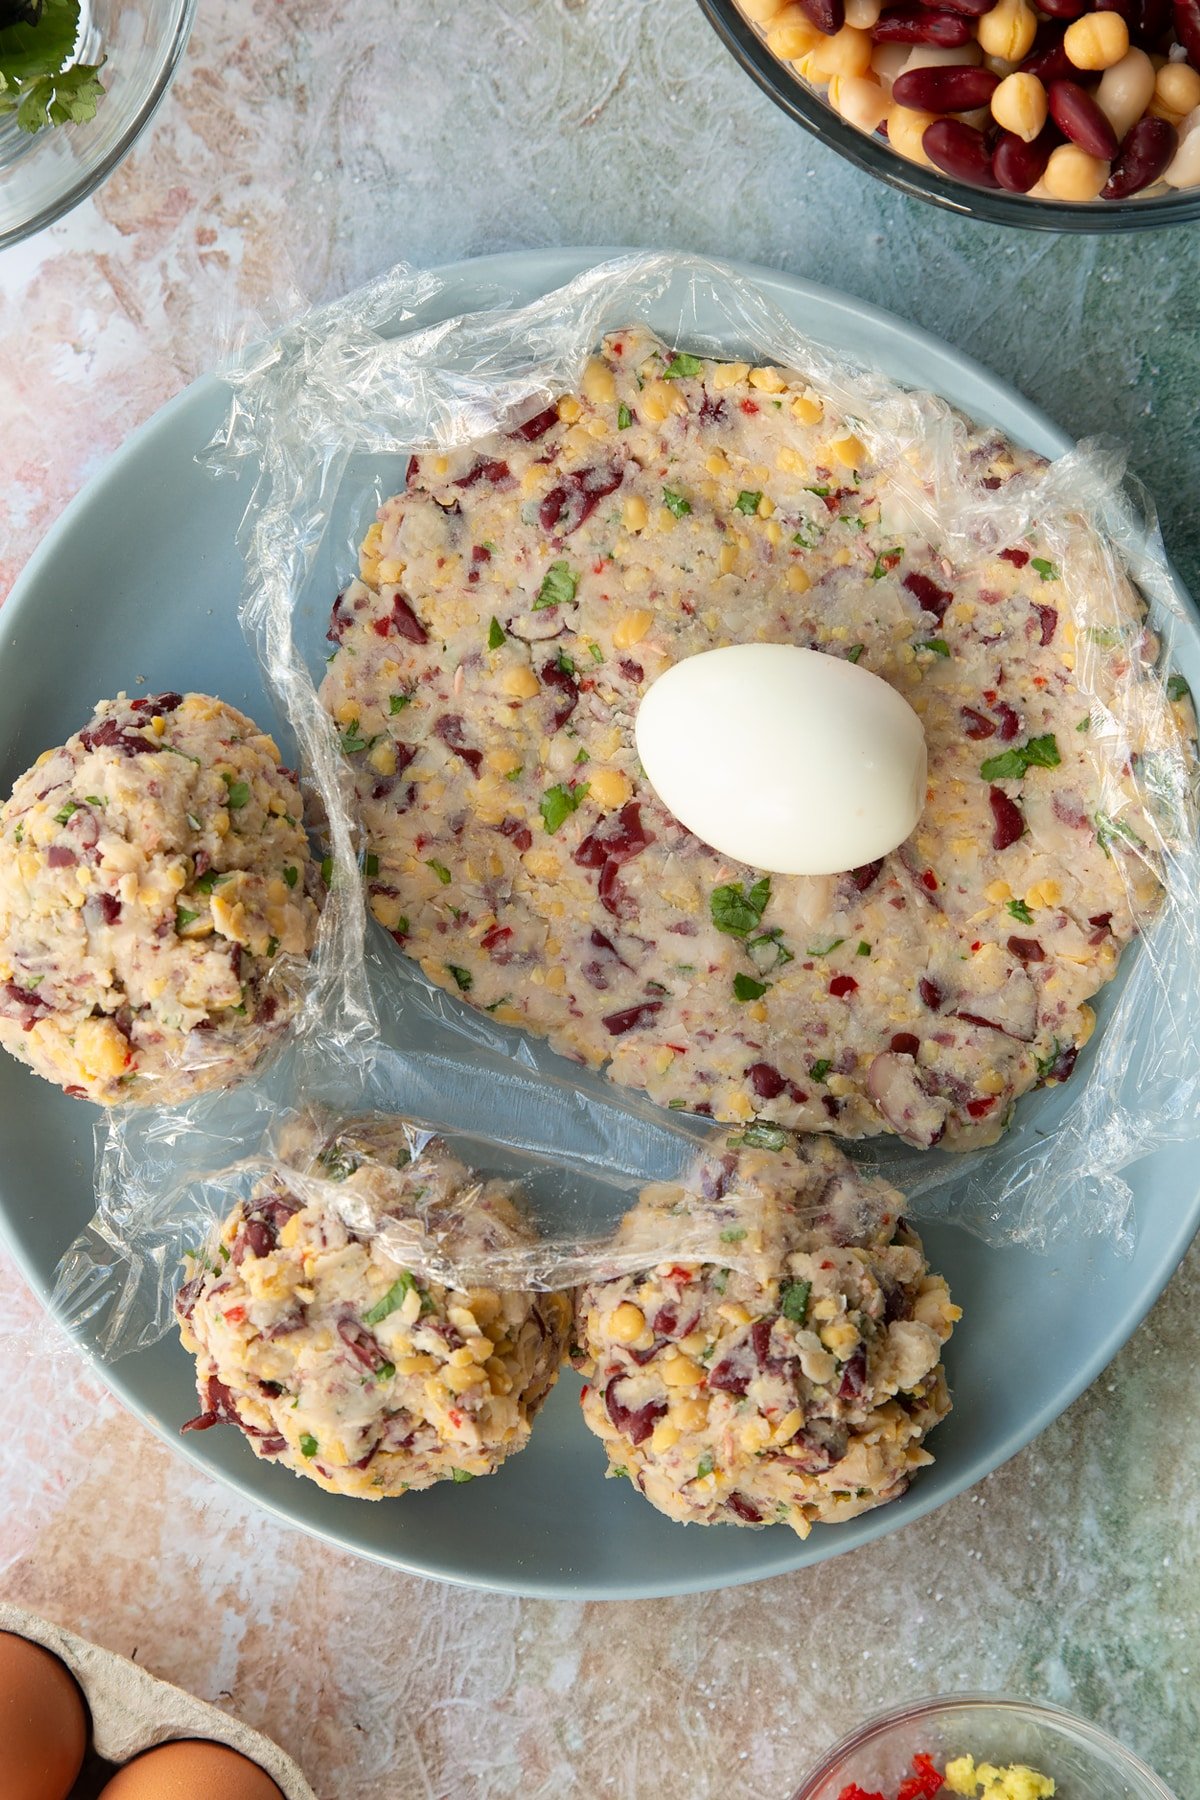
[[1085, 1764], [44, 175], [806, 106]]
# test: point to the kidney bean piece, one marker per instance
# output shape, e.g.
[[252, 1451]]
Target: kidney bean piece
[[1080, 119], [1026, 950], [1153, 23], [952, 89], [1048, 59], [827, 15], [635, 1423], [536, 427], [742, 1509], [618, 1023], [766, 1080], [905, 1044], [1065, 9], [960, 151], [842, 985], [922, 25], [1010, 724], [1187, 28], [1018, 166], [930, 993], [928, 595], [1148, 147], [866, 875], [1007, 818], [1047, 621], [976, 726]]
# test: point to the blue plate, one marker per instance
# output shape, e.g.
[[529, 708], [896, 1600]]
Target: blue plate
[[139, 581]]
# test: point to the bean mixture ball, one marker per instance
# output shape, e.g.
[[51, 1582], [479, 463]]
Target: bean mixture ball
[[793, 1384], [521, 595], [155, 889], [1050, 99], [316, 1333]]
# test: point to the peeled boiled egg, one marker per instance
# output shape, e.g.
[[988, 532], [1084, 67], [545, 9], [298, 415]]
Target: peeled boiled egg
[[789, 760], [43, 1722], [191, 1770]]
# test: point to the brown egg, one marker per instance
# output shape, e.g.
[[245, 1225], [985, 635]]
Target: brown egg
[[191, 1770], [43, 1722]]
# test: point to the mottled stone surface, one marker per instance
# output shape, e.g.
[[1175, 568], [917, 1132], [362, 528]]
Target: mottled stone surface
[[302, 149]]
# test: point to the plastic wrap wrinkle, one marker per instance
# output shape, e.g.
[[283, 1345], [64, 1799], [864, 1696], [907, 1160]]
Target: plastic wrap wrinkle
[[380, 375]]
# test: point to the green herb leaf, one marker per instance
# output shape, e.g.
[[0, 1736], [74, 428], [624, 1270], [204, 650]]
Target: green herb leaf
[[370, 864], [822, 493], [183, 917], [1177, 688], [581, 756], [1010, 765], [596, 653], [747, 501], [462, 976], [308, 1444], [563, 661], [239, 793], [515, 774], [1109, 830], [885, 562], [827, 948], [793, 1301], [291, 875], [95, 800], [72, 806], [461, 1475], [768, 951], [392, 1300], [746, 988], [675, 503], [759, 1136], [854, 652], [682, 364], [272, 947], [1020, 911], [496, 634], [326, 871], [1046, 1063], [385, 1371], [1046, 570], [33, 80], [352, 739], [721, 1280], [737, 912], [820, 1069], [704, 1467], [939, 646], [624, 417], [864, 949], [439, 869], [398, 702], [1085, 724], [558, 587], [204, 884], [734, 1235], [558, 803]]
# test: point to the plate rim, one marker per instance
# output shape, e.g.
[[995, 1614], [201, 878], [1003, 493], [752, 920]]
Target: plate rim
[[550, 268]]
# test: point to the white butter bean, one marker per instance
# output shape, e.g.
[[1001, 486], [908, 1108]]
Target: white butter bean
[[1125, 91]]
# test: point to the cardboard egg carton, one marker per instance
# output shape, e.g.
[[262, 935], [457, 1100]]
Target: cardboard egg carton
[[134, 1711]]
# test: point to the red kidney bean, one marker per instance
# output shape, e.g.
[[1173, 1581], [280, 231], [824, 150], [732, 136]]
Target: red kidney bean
[[1130, 11], [952, 89], [971, 9], [922, 25], [1048, 60], [1187, 28], [1080, 119], [1153, 23], [1148, 147], [1018, 166], [960, 150], [827, 15], [1064, 9]]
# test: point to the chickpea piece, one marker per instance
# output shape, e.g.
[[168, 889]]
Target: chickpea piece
[[1096, 41], [1071, 174], [1008, 30], [859, 100], [906, 128], [1177, 87], [1019, 105]]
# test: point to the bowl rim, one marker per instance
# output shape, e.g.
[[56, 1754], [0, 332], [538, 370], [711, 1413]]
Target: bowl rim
[[880, 1724], [94, 174], [874, 157]]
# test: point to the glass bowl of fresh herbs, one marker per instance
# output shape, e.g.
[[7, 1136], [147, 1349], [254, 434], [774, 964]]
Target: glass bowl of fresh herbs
[[79, 81]]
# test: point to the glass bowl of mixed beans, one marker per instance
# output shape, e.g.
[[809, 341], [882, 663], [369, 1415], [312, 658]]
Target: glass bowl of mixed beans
[[1057, 115]]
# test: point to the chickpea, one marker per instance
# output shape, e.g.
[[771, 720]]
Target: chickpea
[[1177, 87], [859, 100], [888, 61], [847, 52], [791, 38], [1125, 91], [1019, 105], [862, 14], [906, 128], [761, 12], [1097, 40], [1008, 30], [1071, 174]]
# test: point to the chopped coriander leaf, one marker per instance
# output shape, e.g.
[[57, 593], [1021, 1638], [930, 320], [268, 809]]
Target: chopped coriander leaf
[[184, 918], [737, 912], [596, 653], [1108, 830], [825, 950], [734, 1235], [205, 884], [768, 951], [677, 1105], [1010, 765], [272, 947], [864, 949], [400, 928], [461, 1475], [496, 634], [461, 976], [558, 587], [885, 561], [370, 864], [617, 1473], [19, 834], [95, 800], [820, 1069], [308, 1444], [326, 871], [385, 1371], [563, 661], [747, 501], [1085, 724], [821, 492], [398, 702], [793, 1301], [239, 793], [352, 739], [721, 1280], [1046, 570], [395, 1297], [581, 756], [515, 774], [1020, 911], [760, 1136], [746, 988], [1046, 1063], [558, 803], [72, 806], [704, 1467], [682, 364], [624, 417], [939, 646], [291, 875], [1177, 688], [854, 652], [36, 85], [675, 503], [439, 869], [808, 537]]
